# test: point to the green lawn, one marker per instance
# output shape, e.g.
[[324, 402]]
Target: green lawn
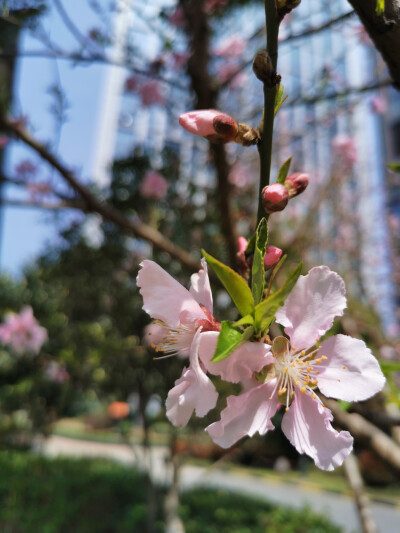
[[39, 495]]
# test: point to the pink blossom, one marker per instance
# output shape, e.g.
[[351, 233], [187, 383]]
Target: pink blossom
[[37, 190], [240, 176], [131, 84], [22, 332], [209, 123], [151, 94], [297, 183], [341, 367], [272, 256], [180, 60], [183, 314], [154, 186], [378, 105], [177, 18], [232, 73], [4, 140], [345, 150], [25, 168], [214, 5], [274, 197], [233, 46], [56, 373]]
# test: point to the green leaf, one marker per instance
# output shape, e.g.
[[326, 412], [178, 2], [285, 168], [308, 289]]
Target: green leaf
[[257, 271], [229, 339], [236, 286], [279, 98], [395, 167], [284, 171], [265, 311], [380, 7], [246, 320], [389, 366]]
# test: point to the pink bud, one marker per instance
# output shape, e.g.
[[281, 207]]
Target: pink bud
[[296, 183], [210, 123], [274, 197], [242, 244], [272, 256]]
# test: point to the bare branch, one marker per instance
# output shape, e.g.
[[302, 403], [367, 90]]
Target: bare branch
[[367, 433], [93, 204], [362, 501]]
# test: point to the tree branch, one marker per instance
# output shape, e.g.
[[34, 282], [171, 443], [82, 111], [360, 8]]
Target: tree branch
[[384, 30], [93, 204], [367, 433]]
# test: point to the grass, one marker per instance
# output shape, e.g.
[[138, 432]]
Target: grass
[[39, 495]]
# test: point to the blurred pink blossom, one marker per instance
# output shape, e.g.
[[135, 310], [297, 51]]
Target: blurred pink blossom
[[25, 168], [180, 59], [22, 332], [344, 148], [233, 46], [154, 186], [37, 190], [177, 18], [214, 5], [4, 140], [378, 105], [231, 72], [56, 373], [361, 33], [151, 94], [131, 84], [240, 177]]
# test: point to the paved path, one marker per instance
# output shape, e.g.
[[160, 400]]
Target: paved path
[[339, 509]]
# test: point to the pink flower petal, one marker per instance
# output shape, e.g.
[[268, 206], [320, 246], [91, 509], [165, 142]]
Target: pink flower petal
[[241, 364], [164, 298], [245, 415], [351, 372], [307, 425], [193, 391], [200, 287], [312, 305]]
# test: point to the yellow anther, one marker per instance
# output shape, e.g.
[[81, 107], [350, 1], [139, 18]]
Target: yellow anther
[[283, 390], [344, 367], [313, 396], [303, 390], [152, 345], [303, 352], [324, 357], [293, 348], [285, 369], [318, 360], [314, 381], [286, 409], [317, 372], [310, 369]]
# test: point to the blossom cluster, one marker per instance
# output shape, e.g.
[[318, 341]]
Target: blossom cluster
[[287, 372], [22, 332]]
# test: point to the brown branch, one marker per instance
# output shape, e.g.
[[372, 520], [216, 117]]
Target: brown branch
[[362, 501], [93, 204], [384, 31], [43, 205], [367, 433]]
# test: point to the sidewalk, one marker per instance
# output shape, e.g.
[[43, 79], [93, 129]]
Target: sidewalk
[[339, 509]]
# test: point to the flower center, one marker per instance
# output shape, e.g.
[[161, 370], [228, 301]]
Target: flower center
[[294, 369], [174, 341]]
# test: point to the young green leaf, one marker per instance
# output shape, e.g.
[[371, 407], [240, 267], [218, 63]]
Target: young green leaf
[[284, 171], [257, 271], [380, 7], [395, 167], [245, 321], [229, 339], [265, 311], [236, 286], [279, 98], [389, 366]]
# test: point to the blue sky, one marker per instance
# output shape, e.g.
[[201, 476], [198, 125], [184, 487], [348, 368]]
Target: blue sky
[[26, 231]]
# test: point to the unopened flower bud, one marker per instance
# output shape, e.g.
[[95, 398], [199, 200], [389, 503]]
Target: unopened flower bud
[[296, 183], [243, 262], [274, 197], [210, 123], [262, 66], [272, 256], [285, 6], [225, 126]]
